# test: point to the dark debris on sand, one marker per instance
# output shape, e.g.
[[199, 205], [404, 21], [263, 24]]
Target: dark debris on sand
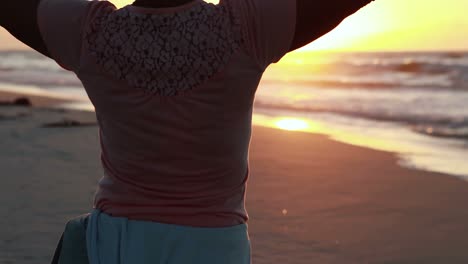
[[21, 101], [14, 110], [69, 123]]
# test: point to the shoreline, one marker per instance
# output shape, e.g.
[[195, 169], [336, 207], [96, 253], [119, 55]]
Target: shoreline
[[414, 150]]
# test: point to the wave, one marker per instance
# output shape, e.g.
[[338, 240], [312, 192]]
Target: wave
[[427, 68], [383, 81], [455, 132], [388, 59], [40, 78], [420, 67], [437, 126], [25, 60], [377, 71]]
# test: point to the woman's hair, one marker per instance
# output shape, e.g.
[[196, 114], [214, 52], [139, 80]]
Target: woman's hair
[[160, 3]]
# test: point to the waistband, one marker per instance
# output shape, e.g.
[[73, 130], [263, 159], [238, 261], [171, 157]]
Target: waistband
[[232, 232]]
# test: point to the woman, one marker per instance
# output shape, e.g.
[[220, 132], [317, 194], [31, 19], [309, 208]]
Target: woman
[[173, 85]]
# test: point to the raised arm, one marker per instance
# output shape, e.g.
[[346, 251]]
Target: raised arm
[[19, 17], [316, 18]]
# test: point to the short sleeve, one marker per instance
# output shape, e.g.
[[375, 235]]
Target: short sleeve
[[61, 24], [268, 27]]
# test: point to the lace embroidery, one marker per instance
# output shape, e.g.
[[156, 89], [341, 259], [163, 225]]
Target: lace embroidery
[[164, 54]]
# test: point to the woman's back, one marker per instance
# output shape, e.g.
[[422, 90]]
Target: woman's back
[[173, 90]]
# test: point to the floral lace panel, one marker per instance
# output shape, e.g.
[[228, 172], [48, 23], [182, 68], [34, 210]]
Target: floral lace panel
[[164, 54]]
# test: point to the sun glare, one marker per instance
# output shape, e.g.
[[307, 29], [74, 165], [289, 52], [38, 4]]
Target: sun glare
[[394, 25], [287, 123], [292, 124]]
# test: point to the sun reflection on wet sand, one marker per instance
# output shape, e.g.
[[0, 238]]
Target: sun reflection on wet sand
[[412, 148], [292, 124]]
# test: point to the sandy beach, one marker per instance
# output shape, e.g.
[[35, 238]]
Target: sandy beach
[[310, 199]]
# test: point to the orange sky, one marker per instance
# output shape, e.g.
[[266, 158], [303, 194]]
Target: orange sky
[[383, 25]]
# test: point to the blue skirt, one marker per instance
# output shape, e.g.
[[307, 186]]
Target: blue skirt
[[98, 238]]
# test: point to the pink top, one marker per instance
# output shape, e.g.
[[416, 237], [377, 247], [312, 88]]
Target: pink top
[[173, 90]]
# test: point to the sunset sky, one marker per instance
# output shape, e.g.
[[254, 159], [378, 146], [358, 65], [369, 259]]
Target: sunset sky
[[382, 25]]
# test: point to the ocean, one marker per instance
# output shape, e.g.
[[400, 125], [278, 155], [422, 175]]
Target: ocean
[[414, 104]]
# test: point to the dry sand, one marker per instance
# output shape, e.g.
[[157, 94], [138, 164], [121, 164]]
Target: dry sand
[[310, 199]]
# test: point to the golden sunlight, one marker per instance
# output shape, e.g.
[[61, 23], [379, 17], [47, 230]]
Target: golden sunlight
[[287, 123], [292, 124], [395, 25], [400, 25]]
